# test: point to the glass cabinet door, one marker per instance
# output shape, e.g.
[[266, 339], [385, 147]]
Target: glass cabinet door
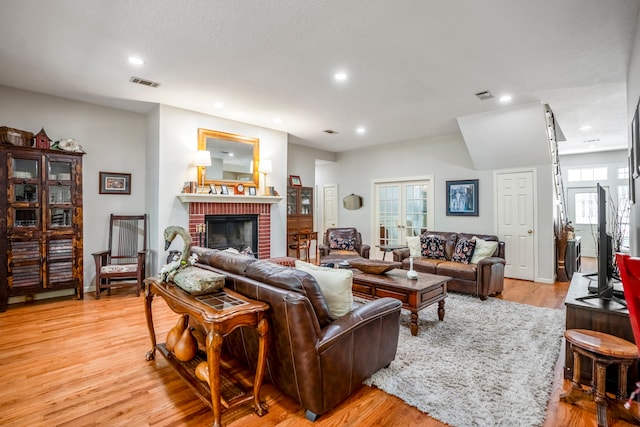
[[24, 192], [59, 180], [292, 201], [306, 201]]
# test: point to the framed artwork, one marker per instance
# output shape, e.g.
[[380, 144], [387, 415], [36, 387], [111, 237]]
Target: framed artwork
[[252, 191], [462, 198], [115, 183], [212, 189], [632, 180], [295, 181], [224, 189], [635, 147]]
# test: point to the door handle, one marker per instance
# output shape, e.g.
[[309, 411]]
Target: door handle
[[529, 231]]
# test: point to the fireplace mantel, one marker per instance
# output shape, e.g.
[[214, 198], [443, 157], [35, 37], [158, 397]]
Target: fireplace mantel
[[222, 198]]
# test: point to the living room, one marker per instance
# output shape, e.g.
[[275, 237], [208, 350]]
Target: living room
[[157, 148]]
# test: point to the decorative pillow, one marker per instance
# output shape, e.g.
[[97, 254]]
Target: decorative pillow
[[463, 251], [341, 243], [484, 249], [432, 246], [414, 246], [335, 284]]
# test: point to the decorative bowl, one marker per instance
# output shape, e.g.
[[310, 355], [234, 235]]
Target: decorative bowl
[[374, 266]]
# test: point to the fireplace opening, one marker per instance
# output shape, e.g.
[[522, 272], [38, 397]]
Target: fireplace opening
[[232, 231]]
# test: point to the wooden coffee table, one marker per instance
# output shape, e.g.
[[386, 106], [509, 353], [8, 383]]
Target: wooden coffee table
[[414, 294]]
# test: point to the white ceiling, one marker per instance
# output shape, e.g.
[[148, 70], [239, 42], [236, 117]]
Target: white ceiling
[[413, 65]]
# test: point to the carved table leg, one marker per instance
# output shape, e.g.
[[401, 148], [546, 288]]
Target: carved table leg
[[414, 323], [441, 310], [148, 299], [263, 330], [214, 346]]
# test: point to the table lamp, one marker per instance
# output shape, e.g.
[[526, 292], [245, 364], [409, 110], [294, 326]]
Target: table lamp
[[203, 159], [265, 167]]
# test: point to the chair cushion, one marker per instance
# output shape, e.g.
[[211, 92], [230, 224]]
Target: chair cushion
[[342, 243], [484, 249], [463, 250], [119, 268], [457, 270], [432, 246], [335, 285], [414, 246]]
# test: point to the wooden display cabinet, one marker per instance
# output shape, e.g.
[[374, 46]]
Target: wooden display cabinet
[[299, 211], [41, 217]]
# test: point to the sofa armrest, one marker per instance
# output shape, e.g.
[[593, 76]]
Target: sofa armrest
[[364, 250], [358, 317], [400, 254], [323, 250], [491, 261]]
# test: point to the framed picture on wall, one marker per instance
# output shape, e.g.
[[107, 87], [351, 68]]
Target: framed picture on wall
[[115, 183], [462, 198]]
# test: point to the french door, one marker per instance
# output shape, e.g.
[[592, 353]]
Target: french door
[[402, 208]]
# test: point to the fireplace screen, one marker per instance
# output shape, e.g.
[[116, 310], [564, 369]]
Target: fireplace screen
[[232, 231]]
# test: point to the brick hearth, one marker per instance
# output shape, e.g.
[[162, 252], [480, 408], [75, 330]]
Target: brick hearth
[[198, 210]]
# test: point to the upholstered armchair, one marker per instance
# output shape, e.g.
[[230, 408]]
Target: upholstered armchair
[[341, 244]]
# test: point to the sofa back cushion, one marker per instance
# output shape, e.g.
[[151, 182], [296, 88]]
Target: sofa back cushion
[[228, 261], [294, 280]]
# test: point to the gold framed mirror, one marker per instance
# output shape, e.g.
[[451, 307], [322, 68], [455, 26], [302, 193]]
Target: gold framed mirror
[[234, 158]]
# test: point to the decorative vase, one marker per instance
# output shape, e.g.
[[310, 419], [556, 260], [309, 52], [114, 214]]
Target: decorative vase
[[202, 372], [176, 332], [186, 347], [411, 274]]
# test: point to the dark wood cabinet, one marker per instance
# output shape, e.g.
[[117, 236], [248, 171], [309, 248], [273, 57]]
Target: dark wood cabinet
[[41, 218], [299, 211]]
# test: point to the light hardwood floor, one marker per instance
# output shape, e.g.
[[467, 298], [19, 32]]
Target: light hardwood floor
[[82, 363]]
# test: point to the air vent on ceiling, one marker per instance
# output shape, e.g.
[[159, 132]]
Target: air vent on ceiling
[[330, 131], [484, 95], [143, 82]]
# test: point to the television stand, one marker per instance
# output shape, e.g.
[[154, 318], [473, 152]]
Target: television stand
[[612, 293]]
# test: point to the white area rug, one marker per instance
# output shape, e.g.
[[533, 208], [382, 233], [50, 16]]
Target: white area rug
[[490, 363]]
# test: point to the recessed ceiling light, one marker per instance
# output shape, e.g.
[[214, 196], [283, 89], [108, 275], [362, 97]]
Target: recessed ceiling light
[[505, 98], [277, 120], [218, 104], [340, 76], [361, 130], [585, 127], [135, 61]]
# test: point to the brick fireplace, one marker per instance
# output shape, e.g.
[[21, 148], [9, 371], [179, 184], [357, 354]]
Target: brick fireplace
[[199, 210]]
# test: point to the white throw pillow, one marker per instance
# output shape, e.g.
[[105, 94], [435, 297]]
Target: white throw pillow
[[414, 246], [335, 284], [484, 249]]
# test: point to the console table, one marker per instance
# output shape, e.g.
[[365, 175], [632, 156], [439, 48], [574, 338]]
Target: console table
[[596, 315], [218, 314]]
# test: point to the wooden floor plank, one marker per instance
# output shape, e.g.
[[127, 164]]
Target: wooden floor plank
[[80, 363]]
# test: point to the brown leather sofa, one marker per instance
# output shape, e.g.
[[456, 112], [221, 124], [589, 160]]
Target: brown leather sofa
[[333, 237], [312, 358], [482, 279]]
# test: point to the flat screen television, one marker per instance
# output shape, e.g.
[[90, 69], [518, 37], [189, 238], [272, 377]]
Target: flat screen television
[[604, 285]]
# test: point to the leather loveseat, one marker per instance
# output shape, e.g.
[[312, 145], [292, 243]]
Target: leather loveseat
[[342, 244], [316, 360], [484, 278]]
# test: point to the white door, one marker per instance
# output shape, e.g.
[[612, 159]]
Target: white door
[[401, 209], [515, 223], [582, 208], [329, 208]]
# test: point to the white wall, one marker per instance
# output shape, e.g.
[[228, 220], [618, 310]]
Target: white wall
[[114, 141]]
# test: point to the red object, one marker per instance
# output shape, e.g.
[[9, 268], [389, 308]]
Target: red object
[[630, 275], [42, 140]]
